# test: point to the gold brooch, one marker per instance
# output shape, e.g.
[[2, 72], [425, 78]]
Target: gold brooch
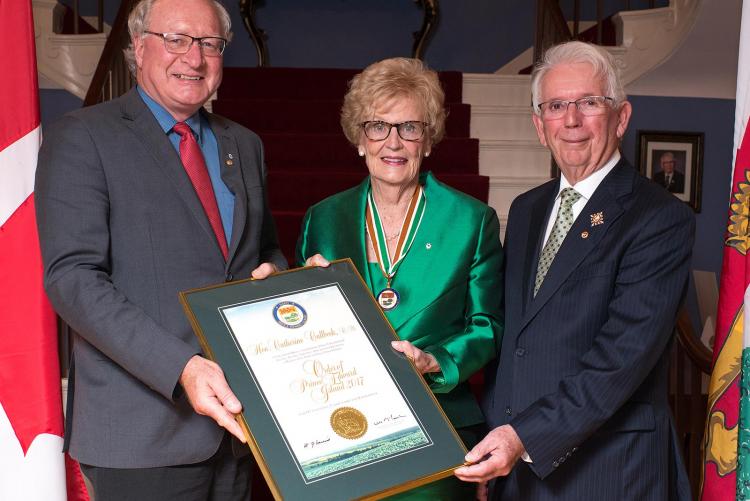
[[597, 219]]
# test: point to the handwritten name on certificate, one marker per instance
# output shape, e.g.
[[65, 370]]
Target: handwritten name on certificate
[[331, 395]]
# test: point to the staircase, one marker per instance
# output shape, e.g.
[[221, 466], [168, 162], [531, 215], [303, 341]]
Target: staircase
[[296, 113], [509, 150]]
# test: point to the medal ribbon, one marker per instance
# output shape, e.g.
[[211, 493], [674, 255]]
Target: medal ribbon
[[412, 220]]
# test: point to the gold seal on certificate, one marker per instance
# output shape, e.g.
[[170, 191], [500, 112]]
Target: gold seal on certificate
[[348, 423], [388, 298]]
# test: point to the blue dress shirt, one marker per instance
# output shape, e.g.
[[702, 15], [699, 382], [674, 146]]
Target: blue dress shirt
[[210, 149]]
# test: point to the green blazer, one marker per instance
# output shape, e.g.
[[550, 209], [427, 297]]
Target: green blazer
[[450, 282]]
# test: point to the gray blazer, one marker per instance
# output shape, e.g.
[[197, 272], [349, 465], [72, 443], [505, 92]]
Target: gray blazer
[[122, 232]]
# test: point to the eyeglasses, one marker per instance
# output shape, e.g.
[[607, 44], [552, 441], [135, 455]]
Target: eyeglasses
[[179, 43], [378, 130], [588, 106]]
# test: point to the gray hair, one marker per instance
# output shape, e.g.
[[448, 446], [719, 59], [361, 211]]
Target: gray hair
[[138, 23], [578, 52]]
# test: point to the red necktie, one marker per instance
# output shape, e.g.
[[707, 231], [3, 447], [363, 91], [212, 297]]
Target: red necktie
[[195, 166]]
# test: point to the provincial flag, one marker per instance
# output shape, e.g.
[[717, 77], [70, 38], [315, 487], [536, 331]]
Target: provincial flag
[[726, 440], [32, 464]]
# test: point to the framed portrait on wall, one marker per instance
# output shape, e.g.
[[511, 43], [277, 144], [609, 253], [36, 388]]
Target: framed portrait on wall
[[673, 160]]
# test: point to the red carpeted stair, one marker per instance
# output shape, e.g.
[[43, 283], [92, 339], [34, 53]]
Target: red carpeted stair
[[296, 113]]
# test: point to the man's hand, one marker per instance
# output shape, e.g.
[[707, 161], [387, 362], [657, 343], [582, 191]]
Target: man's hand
[[424, 361], [317, 260], [494, 456], [209, 394], [263, 271]]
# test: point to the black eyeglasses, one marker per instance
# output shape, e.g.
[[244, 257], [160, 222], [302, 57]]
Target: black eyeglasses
[[377, 130], [179, 43], [588, 106]]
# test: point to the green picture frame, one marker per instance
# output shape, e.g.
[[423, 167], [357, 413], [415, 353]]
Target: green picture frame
[[308, 353]]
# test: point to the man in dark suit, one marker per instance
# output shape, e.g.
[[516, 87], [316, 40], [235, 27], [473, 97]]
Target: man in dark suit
[[137, 199], [597, 265], [672, 179]]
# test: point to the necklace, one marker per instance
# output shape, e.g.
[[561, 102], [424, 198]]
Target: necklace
[[389, 298], [395, 235]]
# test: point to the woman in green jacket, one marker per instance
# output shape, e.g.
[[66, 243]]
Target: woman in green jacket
[[430, 254]]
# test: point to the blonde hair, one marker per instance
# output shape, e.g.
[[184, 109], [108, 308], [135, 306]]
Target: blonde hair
[[398, 77], [578, 52], [138, 23]]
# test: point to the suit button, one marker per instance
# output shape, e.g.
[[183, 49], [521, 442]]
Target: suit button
[[555, 464], [561, 460], [520, 352], [508, 411], [229, 277]]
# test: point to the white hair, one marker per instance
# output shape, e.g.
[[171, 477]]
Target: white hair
[[578, 52], [138, 24]]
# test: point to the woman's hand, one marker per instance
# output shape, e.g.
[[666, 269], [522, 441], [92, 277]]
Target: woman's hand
[[424, 361], [317, 260]]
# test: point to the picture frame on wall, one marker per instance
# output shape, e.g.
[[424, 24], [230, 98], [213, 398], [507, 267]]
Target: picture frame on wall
[[673, 160]]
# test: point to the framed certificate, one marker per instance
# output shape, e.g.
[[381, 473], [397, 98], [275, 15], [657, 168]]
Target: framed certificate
[[330, 410]]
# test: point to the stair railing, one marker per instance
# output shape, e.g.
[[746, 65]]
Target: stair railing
[[112, 77], [552, 28], [99, 16], [689, 366], [259, 36]]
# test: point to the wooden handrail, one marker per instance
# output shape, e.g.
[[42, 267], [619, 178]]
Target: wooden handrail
[[112, 77], [259, 36], [699, 354], [552, 27]]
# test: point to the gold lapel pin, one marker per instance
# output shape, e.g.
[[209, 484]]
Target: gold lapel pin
[[584, 234], [597, 218], [230, 160]]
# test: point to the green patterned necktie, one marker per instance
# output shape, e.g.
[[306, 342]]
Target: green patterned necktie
[[563, 222]]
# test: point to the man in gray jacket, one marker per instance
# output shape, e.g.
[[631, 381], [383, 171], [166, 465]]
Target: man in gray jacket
[[137, 199]]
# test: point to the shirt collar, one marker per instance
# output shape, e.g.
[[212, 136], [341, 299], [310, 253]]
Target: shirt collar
[[166, 120], [587, 187]]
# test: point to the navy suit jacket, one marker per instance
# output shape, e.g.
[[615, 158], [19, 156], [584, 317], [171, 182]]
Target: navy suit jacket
[[582, 374]]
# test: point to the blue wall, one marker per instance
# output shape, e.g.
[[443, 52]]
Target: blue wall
[[353, 33], [54, 103], [715, 118]]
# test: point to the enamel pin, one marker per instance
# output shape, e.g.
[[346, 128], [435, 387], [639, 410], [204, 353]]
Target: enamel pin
[[597, 218]]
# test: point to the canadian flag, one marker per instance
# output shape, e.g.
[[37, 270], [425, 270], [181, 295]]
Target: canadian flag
[[32, 464]]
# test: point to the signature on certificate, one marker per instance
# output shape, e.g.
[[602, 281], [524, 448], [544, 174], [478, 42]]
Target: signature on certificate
[[314, 443], [388, 419]]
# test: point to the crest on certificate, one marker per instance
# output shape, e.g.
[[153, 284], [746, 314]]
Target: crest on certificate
[[289, 314]]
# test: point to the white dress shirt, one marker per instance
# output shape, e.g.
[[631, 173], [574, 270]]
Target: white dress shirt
[[585, 187]]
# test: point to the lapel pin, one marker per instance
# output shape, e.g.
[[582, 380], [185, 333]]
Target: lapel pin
[[230, 156], [597, 219], [584, 234], [230, 159], [428, 246]]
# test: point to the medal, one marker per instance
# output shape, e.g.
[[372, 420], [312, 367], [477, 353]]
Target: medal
[[389, 298]]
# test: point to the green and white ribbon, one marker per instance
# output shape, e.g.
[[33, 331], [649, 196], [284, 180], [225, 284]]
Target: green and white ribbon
[[413, 218]]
